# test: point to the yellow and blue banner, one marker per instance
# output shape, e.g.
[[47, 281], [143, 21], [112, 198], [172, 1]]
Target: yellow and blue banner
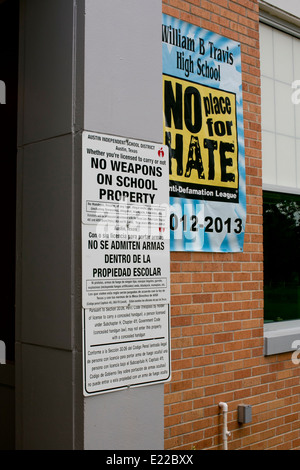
[[203, 129]]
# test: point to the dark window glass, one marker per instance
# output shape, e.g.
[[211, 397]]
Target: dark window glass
[[281, 256]]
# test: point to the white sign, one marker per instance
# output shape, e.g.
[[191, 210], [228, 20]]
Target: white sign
[[125, 263]]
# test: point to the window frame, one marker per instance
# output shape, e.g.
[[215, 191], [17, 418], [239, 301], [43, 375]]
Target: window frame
[[280, 336]]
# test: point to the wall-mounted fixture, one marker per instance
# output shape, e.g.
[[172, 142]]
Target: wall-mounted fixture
[[244, 414]]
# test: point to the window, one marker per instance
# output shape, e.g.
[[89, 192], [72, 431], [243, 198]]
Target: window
[[281, 256], [280, 67]]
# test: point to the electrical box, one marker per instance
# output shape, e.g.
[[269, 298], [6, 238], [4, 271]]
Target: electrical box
[[244, 414]]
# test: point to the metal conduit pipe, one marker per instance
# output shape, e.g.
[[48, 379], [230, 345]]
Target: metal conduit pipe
[[225, 433]]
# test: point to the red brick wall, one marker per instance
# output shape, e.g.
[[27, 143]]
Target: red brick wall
[[217, 299]]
